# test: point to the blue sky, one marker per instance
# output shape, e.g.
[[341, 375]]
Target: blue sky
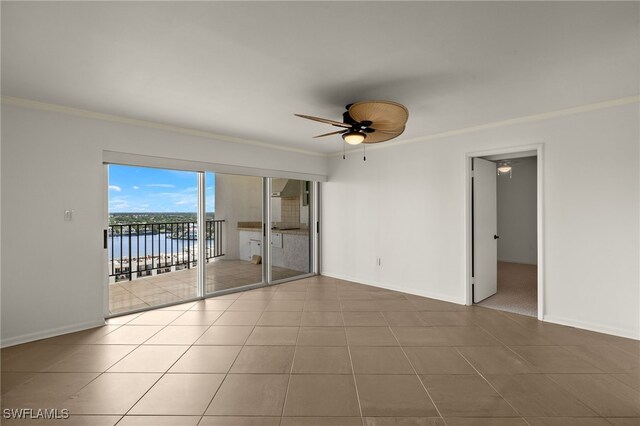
[[142, 189]]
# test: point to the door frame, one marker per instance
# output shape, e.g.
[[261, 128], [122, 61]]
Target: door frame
[[539, 217]]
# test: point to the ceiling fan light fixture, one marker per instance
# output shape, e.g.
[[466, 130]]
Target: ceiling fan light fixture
[[504, 169], [353, 137]]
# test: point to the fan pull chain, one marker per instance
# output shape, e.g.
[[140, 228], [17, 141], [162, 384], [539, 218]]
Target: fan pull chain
[[364, 147], [344, 150]]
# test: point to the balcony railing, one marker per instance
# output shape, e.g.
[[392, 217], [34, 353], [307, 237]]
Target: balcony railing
[[141, 249]]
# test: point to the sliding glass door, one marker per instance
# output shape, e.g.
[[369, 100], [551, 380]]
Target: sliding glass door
[[234, 244], [152, 237], [291, 231], [175, 236]]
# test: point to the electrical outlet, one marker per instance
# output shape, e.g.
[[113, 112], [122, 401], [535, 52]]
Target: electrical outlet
[[68, 215]]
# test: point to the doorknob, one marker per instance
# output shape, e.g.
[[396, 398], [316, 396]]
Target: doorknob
[[495, 237]]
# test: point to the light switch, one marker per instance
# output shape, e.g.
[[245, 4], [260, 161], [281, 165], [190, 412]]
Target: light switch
[[68, 215]]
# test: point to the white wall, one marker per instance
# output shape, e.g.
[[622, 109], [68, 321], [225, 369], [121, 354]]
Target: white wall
[[238, 199], [406, 205], [52, 271], [517, 225]]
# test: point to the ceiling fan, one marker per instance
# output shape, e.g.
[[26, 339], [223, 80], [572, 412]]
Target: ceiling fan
[[368, 122]]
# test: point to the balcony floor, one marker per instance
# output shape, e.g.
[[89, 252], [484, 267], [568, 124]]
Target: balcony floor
[[178, 286]]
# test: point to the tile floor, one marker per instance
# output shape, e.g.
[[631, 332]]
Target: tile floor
[[321, 351], [178, 286]]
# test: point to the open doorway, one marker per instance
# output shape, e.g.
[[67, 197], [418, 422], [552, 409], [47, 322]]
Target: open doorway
[[505, 234]]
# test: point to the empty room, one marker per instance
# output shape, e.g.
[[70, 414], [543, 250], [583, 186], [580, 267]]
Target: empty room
[[320, 213]]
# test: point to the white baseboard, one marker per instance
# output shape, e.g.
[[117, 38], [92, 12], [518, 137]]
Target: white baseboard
[[413, 291], [52, 332], [599, 328]]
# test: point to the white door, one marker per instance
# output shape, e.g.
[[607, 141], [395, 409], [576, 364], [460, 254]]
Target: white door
[[485, 230]]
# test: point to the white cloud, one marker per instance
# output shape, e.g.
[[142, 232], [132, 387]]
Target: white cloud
[[160, 185], [115, 188], [135, 187]]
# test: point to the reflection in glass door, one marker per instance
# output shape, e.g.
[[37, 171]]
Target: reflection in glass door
[[291, 238], [234, 213]]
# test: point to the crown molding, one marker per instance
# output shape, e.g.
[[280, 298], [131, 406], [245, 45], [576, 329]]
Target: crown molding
[[43, 106], [504, 123]]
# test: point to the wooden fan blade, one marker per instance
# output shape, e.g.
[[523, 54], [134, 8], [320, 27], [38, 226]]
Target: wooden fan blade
[[324, 120], [383, 135], [332, 133], [383, 115]]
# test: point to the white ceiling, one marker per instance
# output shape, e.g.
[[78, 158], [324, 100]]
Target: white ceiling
[[243, 69]]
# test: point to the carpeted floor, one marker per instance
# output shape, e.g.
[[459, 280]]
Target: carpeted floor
[[517, 289]]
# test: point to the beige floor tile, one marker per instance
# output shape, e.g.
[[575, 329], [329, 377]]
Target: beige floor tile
[[280, 319], [238, 318], [250, 395], [180, 307], [156, 317], [159, 421], [466, 396], [602, 393], [212, 304], [396, 306], [567, 421], [321, 421], [322, 306], [179, 394], [322, 360], [122, 319], [149, 359], [554, 359], [496, 360], [322, 319], [468, 336], [206, 359], [239, 421], [421, 336], [624, 421], [321, 395], [177, 335], [45, 390], [364, 319], [607, 358], [70, 421], [358, 306], [85, 337], [630, 379], [36, 358], [130, 335], [264, 359], [197, 318], [436, 360], [433, 305], [536, 395], [248, 305], [273, 336], [227, 335], [461, 318], [379, 360], [388, 396], [518, 335], [285, 306], [91, 358], [404, 319], [370, 336], [289, 295], [111, 393], [322, 336], [484, 421], [9, 380], [404, 421]]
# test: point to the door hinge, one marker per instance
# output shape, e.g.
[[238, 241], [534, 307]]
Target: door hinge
[[318, 227], [105, 239], [473, 294]]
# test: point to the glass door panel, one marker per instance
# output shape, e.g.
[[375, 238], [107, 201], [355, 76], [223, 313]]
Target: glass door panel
[[234, 231], [151, 238], [290, 228]]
